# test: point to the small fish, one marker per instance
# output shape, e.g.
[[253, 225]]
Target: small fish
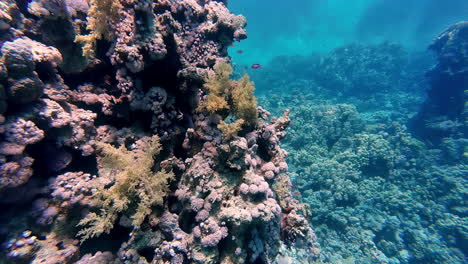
[[232, 45], [240, 51], [297, 193], [256, 66]]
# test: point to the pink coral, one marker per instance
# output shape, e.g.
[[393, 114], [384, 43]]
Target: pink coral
[[212, 233], [197, 204], [16, 172], [73, 188], [20, 58], [22, 132]]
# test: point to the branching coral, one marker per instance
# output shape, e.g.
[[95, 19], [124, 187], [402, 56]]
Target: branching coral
[[226, 96], [100, 14], [135, 190]]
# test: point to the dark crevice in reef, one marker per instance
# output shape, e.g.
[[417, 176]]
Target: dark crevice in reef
[[147, 253], [50, 160], [106, 242], [162, 73], [120, 118], [172, 202], [261, 258], [178, 150], [263, 150], [378, 168], [87, 164], [187, 221], [44, 159], [100, 74], [10, 211], [141, 119], [23, 7], [146, 20], [45, 70], [60, 34]]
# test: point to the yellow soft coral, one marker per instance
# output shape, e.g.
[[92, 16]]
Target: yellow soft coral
[[226, 96], [244, 101], [101, 15], [230, 130], [218, 87], [135, 189]]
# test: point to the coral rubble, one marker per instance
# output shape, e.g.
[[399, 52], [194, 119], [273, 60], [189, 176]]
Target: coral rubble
[[106, 121]]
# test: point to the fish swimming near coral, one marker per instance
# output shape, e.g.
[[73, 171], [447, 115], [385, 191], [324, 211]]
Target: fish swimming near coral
[[240, 51], [256, 66]]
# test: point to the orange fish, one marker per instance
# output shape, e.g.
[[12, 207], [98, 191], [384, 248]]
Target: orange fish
[[296, 193], [232, 45]]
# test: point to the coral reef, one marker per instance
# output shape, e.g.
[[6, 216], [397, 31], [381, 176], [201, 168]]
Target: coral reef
[[357, 74], [444, 113], [105, 136], [358, 69], [377, 194]]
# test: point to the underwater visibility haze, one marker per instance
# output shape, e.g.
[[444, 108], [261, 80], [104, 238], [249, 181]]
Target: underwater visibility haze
[[233, 132]]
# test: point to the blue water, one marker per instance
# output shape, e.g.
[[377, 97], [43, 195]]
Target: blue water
[[302, 27]]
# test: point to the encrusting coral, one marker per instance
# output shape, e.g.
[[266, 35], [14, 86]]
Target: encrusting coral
[[135, 187]]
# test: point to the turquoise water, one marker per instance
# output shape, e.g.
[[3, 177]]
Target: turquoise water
[[302, 27]]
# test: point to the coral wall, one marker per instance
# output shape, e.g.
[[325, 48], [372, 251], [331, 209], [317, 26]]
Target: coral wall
[[102, 140]]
